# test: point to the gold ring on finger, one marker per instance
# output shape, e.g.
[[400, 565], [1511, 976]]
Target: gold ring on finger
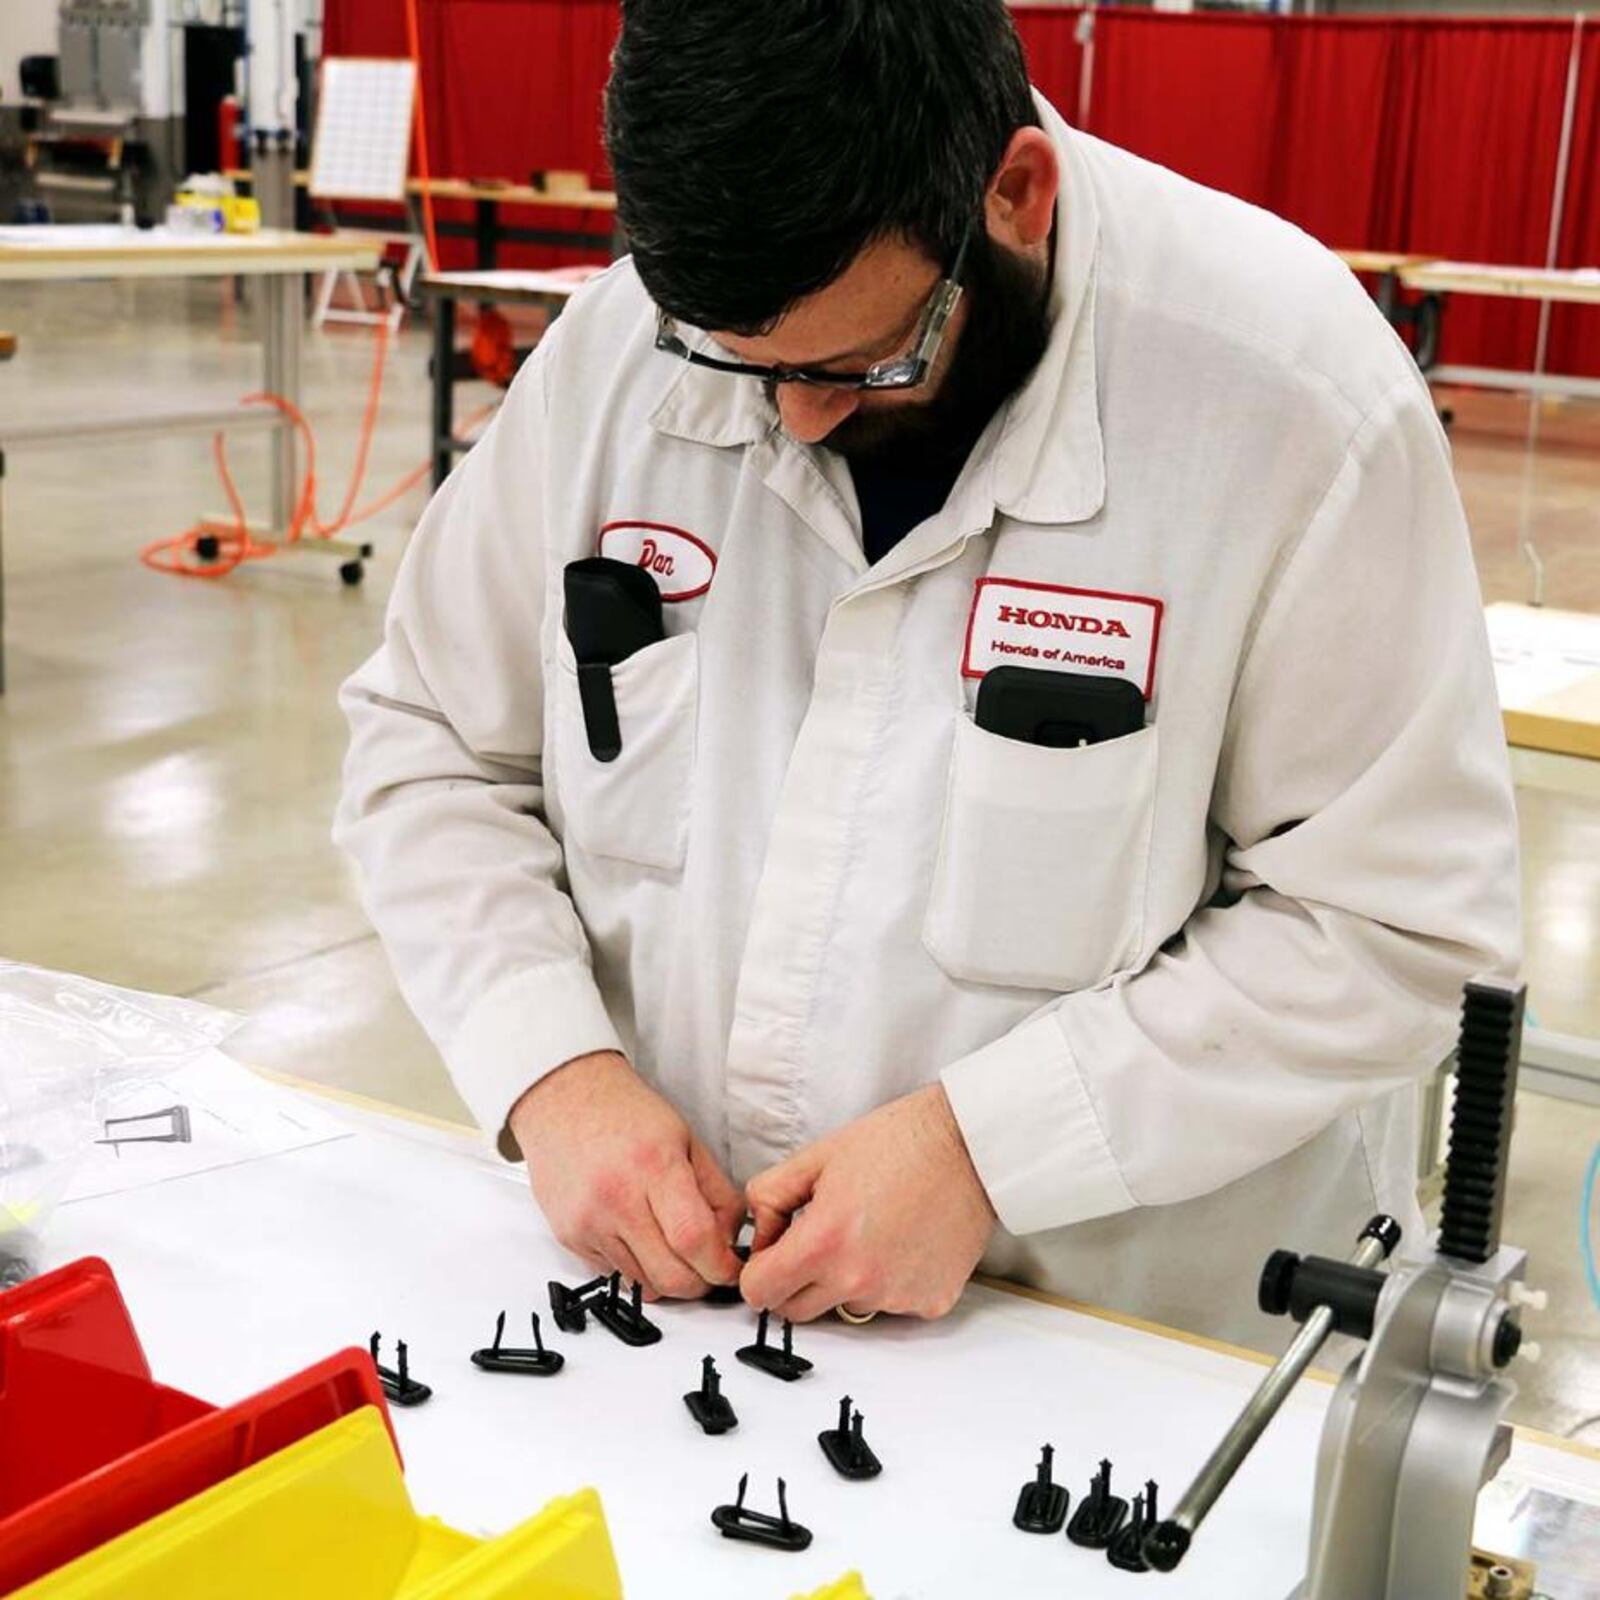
[[857, 1319]]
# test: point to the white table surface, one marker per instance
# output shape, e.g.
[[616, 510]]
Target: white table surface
[[239, 1276]]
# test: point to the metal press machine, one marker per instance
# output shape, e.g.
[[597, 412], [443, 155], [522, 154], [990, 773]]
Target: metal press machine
[[1416, 1426]]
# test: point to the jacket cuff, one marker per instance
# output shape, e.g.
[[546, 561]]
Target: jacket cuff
[[1032, 1131], [520, 1032]]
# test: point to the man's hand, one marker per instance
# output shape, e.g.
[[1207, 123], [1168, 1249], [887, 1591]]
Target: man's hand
[[895, 1218], [622, 1181]]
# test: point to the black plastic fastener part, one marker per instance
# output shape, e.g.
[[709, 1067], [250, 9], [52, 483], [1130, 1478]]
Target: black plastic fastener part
[[624, 1318], [535, 1363], [1487, 1054], [570, 1306], [770, 1358], [397, 1381], [1298, 1285], [708, 1405], [1126, 1551], [1099, 1515], [759, 1527], [1042, 1503], [847, 1451], [1166, 1545]]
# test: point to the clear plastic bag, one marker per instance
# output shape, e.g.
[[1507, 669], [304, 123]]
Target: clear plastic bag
[[65, 1043]]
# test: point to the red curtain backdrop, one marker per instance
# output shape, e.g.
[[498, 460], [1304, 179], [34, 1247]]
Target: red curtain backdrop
[[1202, 99], [509, 86], [1574, 330], [1482, 162], [1055, 55], [1433, 135], [1343, 89]]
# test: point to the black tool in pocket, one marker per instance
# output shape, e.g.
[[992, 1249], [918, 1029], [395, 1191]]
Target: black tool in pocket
[[1060, 710], [613, 610]]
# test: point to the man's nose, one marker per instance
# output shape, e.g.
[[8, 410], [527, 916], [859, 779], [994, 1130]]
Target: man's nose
[[810, 413]]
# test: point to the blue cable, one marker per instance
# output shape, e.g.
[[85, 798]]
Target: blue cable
[[1586, 1226]]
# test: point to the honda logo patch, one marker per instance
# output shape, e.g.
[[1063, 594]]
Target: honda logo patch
[[1020, 624]]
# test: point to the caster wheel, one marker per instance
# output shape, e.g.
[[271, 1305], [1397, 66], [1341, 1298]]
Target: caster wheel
[[208, 547], [351, 572]]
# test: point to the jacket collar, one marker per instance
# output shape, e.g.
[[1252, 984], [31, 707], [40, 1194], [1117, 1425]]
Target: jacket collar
[[1048, 457]]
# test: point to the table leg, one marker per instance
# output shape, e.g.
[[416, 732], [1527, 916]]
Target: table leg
[[282, 303], [487, 225], [444, 382]]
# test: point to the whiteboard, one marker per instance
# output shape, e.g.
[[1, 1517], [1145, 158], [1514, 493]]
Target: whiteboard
[[235, 1278], [362, 147]]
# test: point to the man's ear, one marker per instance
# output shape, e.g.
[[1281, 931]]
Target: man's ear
[[1021, 203]]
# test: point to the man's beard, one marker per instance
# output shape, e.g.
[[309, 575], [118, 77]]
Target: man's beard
[[1005, 334]]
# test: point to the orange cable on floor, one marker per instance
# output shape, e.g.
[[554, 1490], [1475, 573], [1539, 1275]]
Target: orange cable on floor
[[233, 543], [212, 549]]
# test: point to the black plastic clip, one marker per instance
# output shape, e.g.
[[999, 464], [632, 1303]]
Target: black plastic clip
[[708, 1405], [397, 1381], [780, 1363], [1099, 1515], [1127, 1549], [535, 1363], [625, 1318], [758, 1527], [847, 1451], [1042, 1504], [570, 1306]]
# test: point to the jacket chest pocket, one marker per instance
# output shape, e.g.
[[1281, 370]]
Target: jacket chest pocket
[[1043, 862], [635, 808]]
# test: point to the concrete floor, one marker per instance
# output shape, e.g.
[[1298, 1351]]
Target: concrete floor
[[169, 750]]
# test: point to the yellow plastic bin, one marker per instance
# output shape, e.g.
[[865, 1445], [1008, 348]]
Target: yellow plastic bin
[[329, 1518], [849, 1587]]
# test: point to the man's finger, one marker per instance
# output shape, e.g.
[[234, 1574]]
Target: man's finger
[[617, 1257], [815, 1300], [776, 1194], [690, 1227], [665, 1271], [770, 1227], [724, 1197], [776, 1273]]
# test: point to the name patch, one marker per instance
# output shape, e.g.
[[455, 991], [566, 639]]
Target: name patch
[[1020, 624], [681, 564]]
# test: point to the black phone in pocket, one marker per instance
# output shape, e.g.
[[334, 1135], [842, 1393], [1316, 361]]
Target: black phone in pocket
[[1060, 710], [612, 610]]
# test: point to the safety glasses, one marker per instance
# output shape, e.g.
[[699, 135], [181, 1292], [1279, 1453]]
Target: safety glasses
[[906, 371]]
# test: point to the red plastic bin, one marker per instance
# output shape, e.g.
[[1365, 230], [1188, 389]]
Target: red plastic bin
[[93, 1446]]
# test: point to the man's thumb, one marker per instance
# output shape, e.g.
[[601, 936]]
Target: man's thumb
[[776, 1194]]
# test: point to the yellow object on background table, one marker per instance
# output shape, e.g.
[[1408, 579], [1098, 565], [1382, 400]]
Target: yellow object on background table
[[329, 1518]]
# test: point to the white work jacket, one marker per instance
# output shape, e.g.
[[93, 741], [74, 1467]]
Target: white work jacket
[[1179, 986]]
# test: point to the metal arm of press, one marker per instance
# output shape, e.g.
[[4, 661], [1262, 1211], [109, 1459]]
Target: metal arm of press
[[1414, 1429]]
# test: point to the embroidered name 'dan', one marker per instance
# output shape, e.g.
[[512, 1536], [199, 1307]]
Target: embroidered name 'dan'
[[682, 565]]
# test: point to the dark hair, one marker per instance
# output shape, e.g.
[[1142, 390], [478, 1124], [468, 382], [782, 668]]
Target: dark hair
[[759, 146]]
